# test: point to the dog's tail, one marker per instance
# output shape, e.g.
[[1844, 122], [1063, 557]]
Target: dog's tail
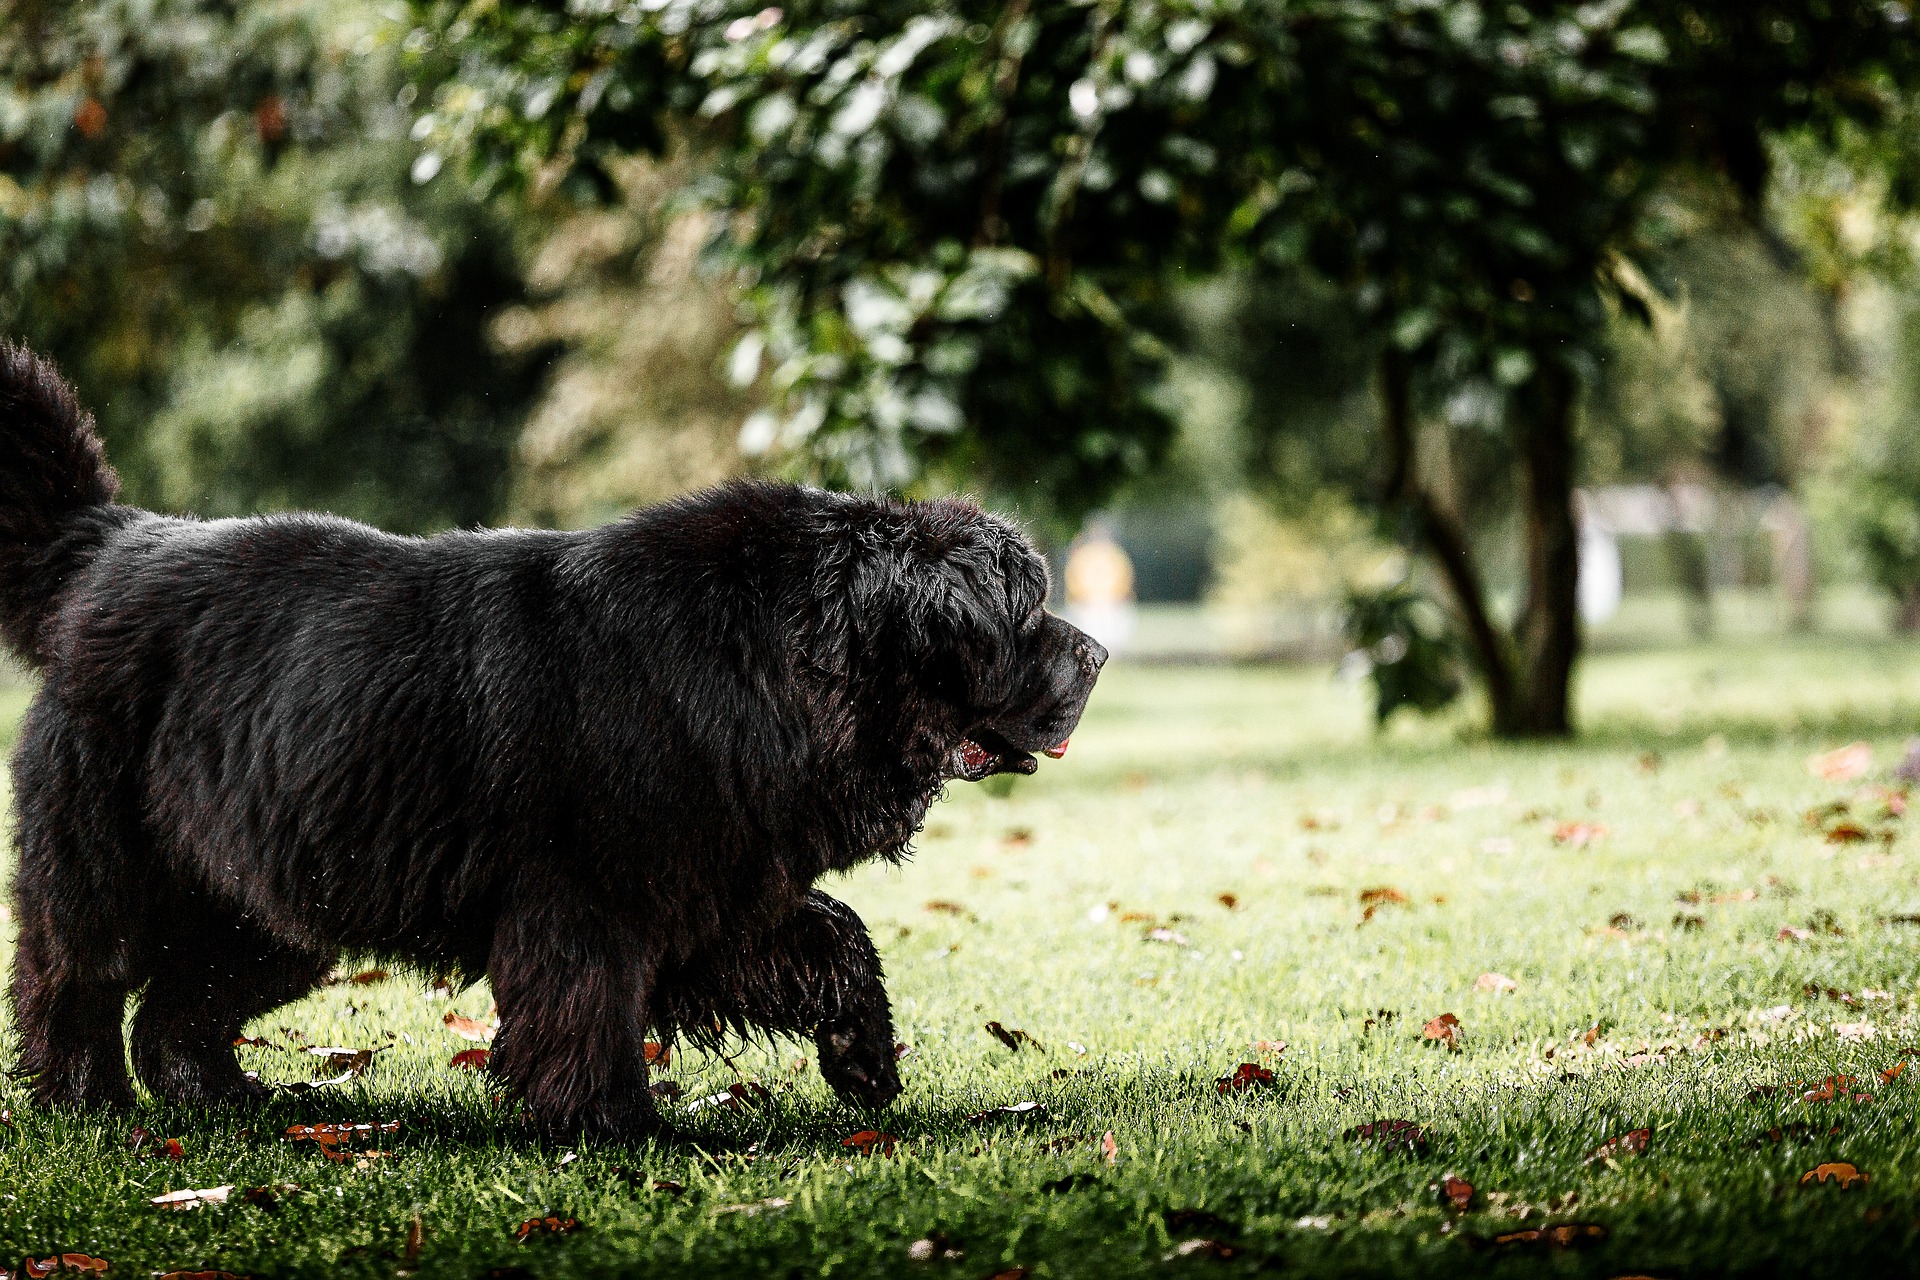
[[55, 485]]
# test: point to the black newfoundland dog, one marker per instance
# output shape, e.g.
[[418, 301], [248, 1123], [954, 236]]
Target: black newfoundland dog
[[603, 768]]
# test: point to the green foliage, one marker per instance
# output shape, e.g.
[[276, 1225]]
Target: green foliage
[[1408, 648], [206, 216]]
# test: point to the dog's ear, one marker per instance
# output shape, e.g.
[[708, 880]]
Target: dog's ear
[[854, 573]]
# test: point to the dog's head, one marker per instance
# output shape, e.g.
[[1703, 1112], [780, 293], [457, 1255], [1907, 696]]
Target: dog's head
[[946, 606]]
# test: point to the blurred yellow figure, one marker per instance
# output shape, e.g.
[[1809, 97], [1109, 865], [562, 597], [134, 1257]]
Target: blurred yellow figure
[[1100, 586]]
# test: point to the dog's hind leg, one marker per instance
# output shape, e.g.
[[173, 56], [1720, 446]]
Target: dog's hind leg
[[211, 973], [573, 988], [814, 973], [77, 895]]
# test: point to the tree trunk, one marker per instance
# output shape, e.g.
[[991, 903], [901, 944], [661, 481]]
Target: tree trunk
[[1907, 621], [1548, 629], [1442, 537]]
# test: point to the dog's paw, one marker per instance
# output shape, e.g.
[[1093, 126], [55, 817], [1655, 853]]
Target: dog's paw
[[858, 1064]]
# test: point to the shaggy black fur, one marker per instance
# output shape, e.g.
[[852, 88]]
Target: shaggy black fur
[[603, 768]]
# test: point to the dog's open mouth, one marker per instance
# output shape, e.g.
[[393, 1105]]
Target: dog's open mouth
[[987, 753]]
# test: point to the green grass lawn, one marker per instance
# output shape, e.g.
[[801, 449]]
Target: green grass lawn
[[1191, 880]]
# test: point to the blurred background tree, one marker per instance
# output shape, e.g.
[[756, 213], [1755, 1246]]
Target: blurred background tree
[[212, 216], [1370, 287]]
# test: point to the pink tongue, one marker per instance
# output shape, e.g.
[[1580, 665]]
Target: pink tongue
[[1058, 749]]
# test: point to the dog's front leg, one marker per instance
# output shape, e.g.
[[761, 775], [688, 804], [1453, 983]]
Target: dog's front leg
[[573, 990], [813, 973]]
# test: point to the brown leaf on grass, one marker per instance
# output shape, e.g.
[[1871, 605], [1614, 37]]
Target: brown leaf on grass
[[870, 1142], [657, 1054], [367, 977], [1790, 934], [1839, 1171], [468, 1028], [1834, 1089], [1578, 835], [336, 1134], [742, 1093], [552, 1225], [1892, 1073], [1456, 1192], [1843, 764], [252, 1042], [1632, 1142], [1847, 833], [1012, 1037], [1231, 901], [1394, 1134], [352, 1062], [1444, 1030], [1382, 895], [1017, 837], [268, 1198], [1568, 1236], [1135, 917], [940, 906], [1109, 1149], [192, 1198], [471, 1059], [1495, 982], [1248, 1075]]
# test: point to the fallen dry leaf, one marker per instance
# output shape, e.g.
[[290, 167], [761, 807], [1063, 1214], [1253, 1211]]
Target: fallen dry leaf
[[657, 1054], [1632, 1142], [1495, 982], [1578, 835], [1274, 1047], [1839, 1171], [1228, 900], [1892, 1073], [471, 1059], [251, 1042], [37, 1267], [1400, 1134], [367, 977], [743, 1093], [351, 1062], [1563, 1237], [1843, 764], [192, 1199], [1248, 1075], [1444, 1030], [1109, 1149], [468, 1028], [1012, 1037], [549, 1226], [1382, 895], [1835, 1089], [1457, 1192], [1790, 934], [870, 1141]]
